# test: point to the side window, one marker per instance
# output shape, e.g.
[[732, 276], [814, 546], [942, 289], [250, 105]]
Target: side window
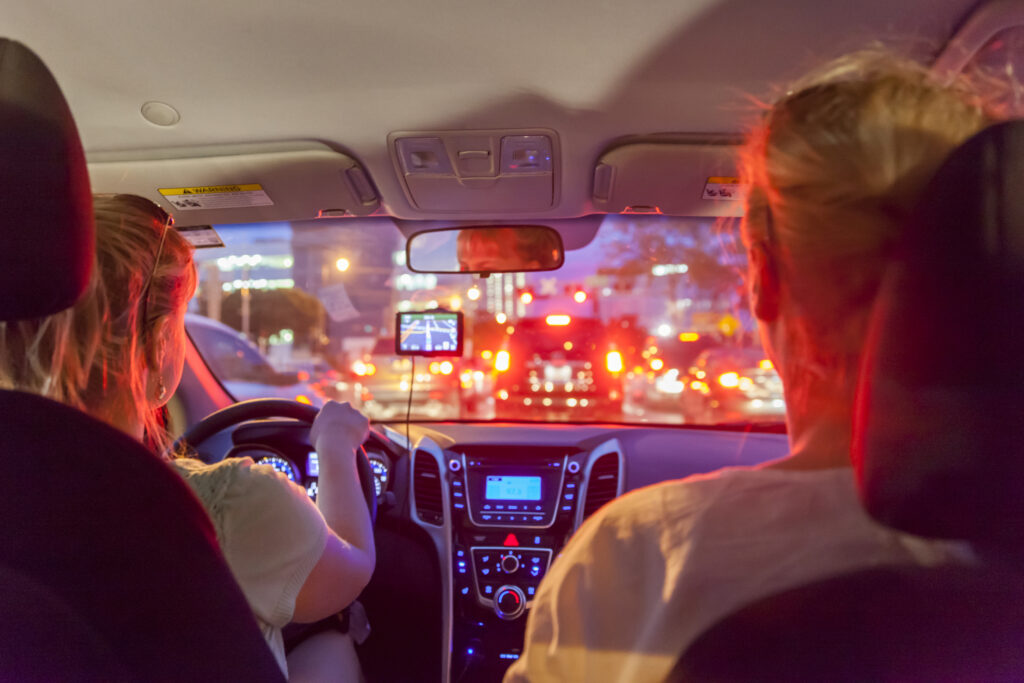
[[230, 357]]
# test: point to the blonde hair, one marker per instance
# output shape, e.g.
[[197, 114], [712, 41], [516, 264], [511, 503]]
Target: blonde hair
[[94, 355], [833, 170]]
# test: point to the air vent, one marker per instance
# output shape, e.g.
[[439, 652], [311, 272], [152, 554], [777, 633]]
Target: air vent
[[427, 489], [603, 483]]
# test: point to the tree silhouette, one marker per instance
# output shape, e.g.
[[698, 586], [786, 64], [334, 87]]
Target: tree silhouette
[[643, 243], [273, 310]]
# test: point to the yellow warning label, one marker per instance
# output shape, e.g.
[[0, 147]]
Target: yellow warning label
[[723, 188], [205, 197], [210, 189]]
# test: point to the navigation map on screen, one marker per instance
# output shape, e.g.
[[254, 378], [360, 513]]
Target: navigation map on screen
[[429, 333]]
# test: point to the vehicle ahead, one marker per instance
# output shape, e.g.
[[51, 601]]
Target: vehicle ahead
[[243, 370], [560, 366], [732, 384], [371, 130], [387, 385], [655, 381]]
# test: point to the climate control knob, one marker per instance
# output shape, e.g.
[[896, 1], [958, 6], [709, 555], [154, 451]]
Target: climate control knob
[[509, 602], [509, 564]]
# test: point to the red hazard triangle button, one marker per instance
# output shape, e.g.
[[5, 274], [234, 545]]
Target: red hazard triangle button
[[511, 541]]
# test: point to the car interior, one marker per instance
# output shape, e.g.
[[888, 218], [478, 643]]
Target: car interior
[[300, 149]]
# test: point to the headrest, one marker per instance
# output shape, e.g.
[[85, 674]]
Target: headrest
[[46, 229], [939, 422]]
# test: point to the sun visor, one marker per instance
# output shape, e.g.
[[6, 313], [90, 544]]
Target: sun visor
[[684, 177], [241, 184]]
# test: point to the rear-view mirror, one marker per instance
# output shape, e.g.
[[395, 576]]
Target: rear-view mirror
[[485, 249]]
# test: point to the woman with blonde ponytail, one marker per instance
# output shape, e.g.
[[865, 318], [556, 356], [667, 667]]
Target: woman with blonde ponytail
[[833, 169]]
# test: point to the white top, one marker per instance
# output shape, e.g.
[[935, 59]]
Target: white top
[[654, 569], [271, 534]]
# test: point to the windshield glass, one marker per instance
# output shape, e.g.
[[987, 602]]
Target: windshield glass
[[645, 323]]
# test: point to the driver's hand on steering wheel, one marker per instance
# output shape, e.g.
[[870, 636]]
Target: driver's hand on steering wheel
[[338, 429]]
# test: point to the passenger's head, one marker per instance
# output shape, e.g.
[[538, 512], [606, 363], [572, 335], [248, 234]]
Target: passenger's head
[[833, 170], [118, 353], [503, 249]]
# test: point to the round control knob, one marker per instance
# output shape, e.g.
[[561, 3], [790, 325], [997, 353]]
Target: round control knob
[[574, 467], [509, 602], [454, 465], [509, 564]]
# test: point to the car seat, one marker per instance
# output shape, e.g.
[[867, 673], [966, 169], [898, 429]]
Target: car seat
[[109, 566]]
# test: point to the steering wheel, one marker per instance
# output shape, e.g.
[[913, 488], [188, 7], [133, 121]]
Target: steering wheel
[[263, 408]]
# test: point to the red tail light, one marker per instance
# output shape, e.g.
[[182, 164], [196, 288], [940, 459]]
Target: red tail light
[[613, 361], [501, 361]]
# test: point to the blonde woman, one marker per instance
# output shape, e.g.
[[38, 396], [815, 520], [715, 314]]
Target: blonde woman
[[833, 169], [118, 355]]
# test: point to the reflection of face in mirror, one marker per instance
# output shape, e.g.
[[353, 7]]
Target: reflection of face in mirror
[[499, 250]]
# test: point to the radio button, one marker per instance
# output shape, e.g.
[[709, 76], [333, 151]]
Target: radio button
[[509, 564]]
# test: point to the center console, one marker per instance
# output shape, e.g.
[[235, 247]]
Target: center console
[[512, 510]]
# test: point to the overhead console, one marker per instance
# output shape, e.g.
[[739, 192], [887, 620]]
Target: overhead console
[[676, 175], [241, 183], [478, 171]]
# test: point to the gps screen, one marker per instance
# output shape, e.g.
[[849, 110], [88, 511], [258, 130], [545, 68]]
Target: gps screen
[[437, 333]]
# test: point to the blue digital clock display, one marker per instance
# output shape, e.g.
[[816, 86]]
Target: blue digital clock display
[[512, 488]]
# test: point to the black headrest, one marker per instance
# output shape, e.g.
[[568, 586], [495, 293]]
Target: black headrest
[[46, 229], [939, 423]]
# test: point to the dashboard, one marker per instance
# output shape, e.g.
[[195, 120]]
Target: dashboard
[[307, 473], [472, 515]]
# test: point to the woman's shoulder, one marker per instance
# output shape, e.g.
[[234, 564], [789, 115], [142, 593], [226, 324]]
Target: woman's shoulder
[[684, 501], [207, 481], [237, 480]]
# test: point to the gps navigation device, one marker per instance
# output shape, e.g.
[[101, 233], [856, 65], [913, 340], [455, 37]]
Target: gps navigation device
[[428, 333]]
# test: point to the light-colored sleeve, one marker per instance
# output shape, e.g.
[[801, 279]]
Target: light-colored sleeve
[[272, 536], [587, 621], [603, 612]]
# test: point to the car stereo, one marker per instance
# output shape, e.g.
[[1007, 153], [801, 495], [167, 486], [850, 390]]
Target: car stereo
[[513, 493], [513, 509]]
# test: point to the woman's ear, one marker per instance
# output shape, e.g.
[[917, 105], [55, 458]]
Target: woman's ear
[[764, 283]]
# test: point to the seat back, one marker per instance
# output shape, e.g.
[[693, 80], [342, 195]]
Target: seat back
[[939, 424], [938, 449], [99, 533]]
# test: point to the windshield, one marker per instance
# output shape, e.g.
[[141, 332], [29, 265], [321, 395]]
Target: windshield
[[645, 323]]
